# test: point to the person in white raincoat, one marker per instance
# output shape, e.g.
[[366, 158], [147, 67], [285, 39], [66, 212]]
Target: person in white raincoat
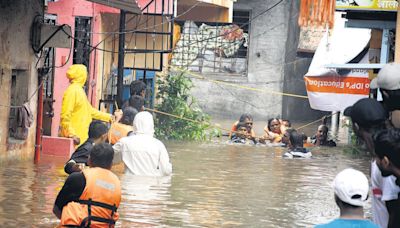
[[141, 153]]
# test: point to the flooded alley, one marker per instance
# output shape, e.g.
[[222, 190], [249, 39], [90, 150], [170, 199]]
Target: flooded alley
[[213, 185]]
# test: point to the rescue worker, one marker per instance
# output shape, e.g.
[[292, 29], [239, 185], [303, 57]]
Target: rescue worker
[[124, 127], [90, 198], [76, 111], [98, 133], [247, 119]]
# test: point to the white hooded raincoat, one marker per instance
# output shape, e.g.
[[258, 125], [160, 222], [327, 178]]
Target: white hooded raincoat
[[143, 154]]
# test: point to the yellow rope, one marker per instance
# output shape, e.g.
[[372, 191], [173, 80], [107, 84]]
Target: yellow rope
[[187, 119], [311, 123], [233, 85], [221, 128], [239, 86], [320, 119]]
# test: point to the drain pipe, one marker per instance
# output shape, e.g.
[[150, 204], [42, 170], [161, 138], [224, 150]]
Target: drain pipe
[[39, 120], [335, 122]]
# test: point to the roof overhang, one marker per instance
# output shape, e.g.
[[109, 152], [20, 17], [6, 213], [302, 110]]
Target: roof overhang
[[127, 5], [207, 3]]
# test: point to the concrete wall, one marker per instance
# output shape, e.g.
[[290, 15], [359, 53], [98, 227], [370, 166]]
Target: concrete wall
[[296, 67], [16, 54], [266, 59], [273, 66]]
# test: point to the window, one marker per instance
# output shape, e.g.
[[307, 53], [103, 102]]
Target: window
[[18, 96], [82, 41], [242, 18], [207, 47]]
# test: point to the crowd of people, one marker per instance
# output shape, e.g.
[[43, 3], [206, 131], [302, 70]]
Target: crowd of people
[[91, 196], [279, 132], [377, 125]]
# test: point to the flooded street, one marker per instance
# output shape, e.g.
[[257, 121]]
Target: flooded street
[[214, 185]]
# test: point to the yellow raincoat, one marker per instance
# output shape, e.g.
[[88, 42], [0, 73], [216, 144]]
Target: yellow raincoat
[[76, 111]]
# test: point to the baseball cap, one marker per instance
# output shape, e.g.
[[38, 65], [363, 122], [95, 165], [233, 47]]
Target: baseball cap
[[388, 77], [366, 112], [351, 186]]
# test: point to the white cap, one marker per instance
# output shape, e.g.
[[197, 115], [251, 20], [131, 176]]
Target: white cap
[[388, 77], [351, 186]]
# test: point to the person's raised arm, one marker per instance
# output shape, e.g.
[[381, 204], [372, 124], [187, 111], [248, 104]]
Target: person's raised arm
[[99, 115]]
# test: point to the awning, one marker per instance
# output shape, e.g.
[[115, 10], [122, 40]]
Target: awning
[[127, 5]]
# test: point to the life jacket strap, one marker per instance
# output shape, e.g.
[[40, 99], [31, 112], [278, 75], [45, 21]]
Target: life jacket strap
[[98, 204], [87, 221]]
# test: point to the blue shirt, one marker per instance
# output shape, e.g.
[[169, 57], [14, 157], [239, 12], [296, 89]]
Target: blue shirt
[[348, 223]]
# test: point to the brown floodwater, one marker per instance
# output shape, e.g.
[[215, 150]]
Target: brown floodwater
[[214, 184]]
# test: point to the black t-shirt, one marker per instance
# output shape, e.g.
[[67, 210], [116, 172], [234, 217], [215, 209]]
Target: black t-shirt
[[72, 189], [81, 155], [328, 143]]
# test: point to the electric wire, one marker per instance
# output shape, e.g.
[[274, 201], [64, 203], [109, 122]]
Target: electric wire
[[188, 45], [150, 27]]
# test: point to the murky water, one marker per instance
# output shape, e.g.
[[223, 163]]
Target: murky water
[[214, 185]]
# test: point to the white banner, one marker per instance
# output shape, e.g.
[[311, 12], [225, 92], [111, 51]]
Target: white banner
[[327, 89]]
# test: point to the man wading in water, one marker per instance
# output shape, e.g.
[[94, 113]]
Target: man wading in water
[[90, 198]]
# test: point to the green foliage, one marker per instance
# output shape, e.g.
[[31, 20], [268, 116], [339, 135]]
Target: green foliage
[[174, 93], [355, 145]]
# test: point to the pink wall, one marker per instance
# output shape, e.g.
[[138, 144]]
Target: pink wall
[[66, 11]]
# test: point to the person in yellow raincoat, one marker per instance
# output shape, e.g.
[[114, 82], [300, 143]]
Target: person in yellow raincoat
[[76, 111]]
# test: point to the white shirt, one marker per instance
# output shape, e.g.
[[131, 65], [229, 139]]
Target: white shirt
[[383, 189]]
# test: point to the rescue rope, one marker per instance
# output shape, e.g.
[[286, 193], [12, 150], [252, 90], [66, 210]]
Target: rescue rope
[[236, 85], [224, 129], [187, 119], [316, 121]]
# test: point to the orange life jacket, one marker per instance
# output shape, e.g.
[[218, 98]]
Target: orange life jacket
[[117, 131], [97, 206]]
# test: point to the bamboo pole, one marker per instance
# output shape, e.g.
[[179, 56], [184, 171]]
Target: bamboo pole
[[397, 41]]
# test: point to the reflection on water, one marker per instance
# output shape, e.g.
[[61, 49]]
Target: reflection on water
[[214, 185]]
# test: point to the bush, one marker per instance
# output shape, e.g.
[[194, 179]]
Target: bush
[[174, 93]]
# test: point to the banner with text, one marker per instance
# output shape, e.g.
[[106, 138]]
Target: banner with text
[[334, 89], [369, 5], [335, 93]]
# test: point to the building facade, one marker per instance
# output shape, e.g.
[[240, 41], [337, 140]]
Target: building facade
[[269, 62], [18, 74], [85, 20]]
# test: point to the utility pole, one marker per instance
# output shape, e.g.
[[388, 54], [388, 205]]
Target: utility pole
[[121, 56]]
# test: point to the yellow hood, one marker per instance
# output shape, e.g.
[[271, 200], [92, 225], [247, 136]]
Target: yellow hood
[[77, 73]]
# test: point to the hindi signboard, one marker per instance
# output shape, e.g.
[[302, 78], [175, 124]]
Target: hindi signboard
[[367, 5]]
